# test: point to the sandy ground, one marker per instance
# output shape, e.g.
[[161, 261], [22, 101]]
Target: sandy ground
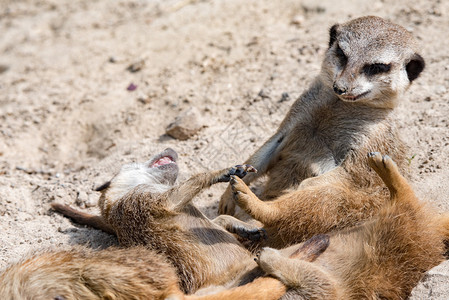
[[67, 120]]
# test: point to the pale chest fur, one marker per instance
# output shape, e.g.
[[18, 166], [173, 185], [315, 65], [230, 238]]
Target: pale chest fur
[[324, 134]]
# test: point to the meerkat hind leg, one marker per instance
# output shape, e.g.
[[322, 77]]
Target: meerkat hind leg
[[306, 278], [389, 172], [247, 200]]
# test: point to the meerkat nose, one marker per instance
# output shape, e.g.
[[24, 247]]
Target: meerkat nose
[[339, 91]]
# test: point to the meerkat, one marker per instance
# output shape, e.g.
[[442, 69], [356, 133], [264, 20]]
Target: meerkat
[[383, 258], [81, 273], [129, 273], [142, 205], [318, 179]]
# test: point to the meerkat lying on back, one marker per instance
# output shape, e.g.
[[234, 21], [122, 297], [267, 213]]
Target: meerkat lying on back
[[383, 258], [318, 178], [142, 205]]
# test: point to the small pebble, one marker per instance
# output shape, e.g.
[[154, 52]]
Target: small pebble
[[131, 87], [298, 20], [186, 125]]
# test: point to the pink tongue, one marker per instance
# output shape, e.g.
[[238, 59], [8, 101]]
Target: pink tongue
[[162, 161]]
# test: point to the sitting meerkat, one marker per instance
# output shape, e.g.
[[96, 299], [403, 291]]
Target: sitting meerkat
[[142, 205], [129, 273], [383, 258], [318, 178]]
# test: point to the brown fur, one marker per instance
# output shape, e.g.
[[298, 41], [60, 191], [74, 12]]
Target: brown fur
[[84, 218], [318, 178], [133, 273], [384, 258], [203, 253], [142, 208]]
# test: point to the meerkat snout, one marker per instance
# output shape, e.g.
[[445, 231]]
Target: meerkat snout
[[338, 90], [371, 61], [159, 174]]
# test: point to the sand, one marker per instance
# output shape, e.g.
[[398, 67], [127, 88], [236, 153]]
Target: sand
[[69, 119]]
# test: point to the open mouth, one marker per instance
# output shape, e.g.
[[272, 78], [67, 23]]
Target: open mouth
[[353, 98], [167, 157], [163, 161]]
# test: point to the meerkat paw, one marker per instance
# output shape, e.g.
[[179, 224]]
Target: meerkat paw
[[251, 204], [241, 191], [237, 185], [252, 234], [238, 170], [270, 260], [244, 230], [389, 172], [227, 203], [383, 165]]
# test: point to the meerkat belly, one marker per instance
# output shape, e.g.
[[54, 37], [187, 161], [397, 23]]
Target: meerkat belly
[[309, 151], [307, 157]]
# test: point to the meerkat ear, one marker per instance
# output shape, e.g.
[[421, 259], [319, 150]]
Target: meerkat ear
[[103, 186], [415, 66], [332, 34]]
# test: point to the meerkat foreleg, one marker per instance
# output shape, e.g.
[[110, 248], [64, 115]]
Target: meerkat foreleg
[[185, 192], [242, 229], [261, 160]]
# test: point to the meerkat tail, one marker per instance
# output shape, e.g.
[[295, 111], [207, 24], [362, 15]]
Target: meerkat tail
[[83, 218]]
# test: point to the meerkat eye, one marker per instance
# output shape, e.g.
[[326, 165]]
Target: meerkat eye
[[374, 69], [341, 56]]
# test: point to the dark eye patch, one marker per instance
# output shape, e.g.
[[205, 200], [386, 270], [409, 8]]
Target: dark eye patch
[[374, 69], [343, 59]]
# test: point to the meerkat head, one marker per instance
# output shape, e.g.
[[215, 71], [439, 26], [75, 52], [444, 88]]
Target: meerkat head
[[371, 60], [159, 173]]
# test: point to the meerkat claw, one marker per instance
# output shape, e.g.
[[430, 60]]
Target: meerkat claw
[[238, 170]]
